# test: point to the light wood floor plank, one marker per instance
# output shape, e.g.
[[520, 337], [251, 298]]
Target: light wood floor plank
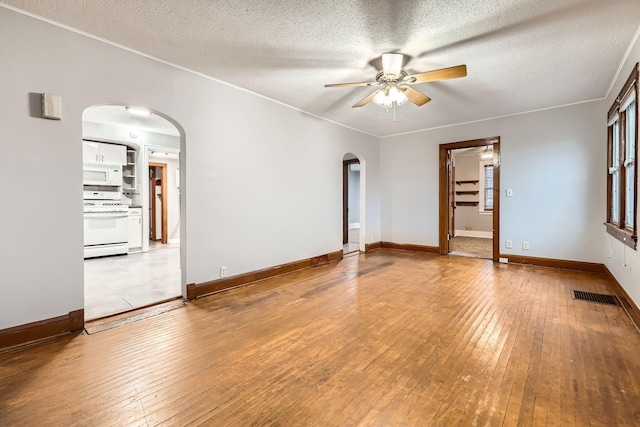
[[390, 338]]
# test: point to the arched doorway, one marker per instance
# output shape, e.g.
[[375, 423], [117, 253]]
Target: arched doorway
[[124, 268], [352, 204]]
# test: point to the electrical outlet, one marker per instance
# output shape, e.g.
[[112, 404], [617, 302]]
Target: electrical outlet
[[509, 192], [223, 271], [525, 246], [508, 244], [503, 260]]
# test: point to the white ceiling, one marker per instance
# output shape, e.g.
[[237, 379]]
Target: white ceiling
[[521, 55], [117, 115]]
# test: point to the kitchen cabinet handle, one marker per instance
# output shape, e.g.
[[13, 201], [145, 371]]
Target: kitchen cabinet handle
[[102, 158], [96, 157]]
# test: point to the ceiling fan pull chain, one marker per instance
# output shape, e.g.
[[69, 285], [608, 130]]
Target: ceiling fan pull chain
[[394, 111]]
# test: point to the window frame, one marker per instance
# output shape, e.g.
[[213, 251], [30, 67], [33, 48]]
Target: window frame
[[619, 227], [481, 206]]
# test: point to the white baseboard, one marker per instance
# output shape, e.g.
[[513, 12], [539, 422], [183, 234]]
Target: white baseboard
[[471, 233]]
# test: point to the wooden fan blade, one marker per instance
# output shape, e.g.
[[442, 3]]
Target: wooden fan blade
[[352, 84], [435, 75], [366, 100], [414, 96]]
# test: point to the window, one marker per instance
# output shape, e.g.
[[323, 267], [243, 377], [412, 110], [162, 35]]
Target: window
[[622, 178], [486, 186]]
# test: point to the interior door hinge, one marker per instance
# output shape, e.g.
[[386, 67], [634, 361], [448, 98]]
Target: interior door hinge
[[448, 236]]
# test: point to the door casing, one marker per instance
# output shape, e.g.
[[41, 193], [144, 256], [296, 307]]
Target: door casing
[[445, 201]]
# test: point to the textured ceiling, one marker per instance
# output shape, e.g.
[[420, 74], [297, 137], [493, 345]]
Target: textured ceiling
[[521, 55]]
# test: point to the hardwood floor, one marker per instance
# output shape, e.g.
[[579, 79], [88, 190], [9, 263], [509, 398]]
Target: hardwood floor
[[386, 338]]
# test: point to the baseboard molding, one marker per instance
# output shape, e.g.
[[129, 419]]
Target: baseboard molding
[[627, 303], [411, 247], [471, 233], [591, 267], [42, 329], [197, 290], [372, 246]]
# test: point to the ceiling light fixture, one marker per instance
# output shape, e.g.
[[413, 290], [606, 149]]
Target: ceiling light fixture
[[487, 153], [137, 111], [390, 96]]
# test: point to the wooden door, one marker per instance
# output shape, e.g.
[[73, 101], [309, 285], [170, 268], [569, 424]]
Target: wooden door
[[152, 203], [452, 198], [158, 177]]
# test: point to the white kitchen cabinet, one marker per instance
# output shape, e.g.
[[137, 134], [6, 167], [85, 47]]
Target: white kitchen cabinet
[[90, 152], [135, 229], [100, 153]]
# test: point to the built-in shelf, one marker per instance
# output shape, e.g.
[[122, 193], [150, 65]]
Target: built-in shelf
[[467, 203], [467, 192], [128, 176], [468, 182]]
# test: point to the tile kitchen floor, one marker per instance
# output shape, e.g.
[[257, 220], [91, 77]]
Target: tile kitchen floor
[[119, 283], [352, 245]]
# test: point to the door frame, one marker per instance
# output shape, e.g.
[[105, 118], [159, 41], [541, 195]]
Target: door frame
[[345, 198], [444, 201], [163, 187]]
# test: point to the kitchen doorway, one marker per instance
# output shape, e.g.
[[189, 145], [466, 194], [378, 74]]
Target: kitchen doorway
[[351, 209], [470, 198], [147, 272]]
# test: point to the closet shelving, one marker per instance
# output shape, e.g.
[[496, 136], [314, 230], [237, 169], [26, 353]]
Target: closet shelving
[[129, 173], [466, 190]]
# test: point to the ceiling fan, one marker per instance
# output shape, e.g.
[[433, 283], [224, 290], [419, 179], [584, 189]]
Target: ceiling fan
[[394, 82]]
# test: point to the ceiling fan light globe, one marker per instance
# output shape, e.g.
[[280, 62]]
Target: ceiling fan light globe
[[381, 97], [487, 153], [397, 95]]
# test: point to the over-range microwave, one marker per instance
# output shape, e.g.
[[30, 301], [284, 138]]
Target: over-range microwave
[[102, 174]]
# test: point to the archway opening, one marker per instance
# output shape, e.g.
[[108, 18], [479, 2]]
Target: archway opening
[[133, 236]]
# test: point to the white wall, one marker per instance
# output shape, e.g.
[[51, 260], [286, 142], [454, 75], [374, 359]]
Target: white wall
[[353, 180], [553, 160], [622, 261], [240, 154]]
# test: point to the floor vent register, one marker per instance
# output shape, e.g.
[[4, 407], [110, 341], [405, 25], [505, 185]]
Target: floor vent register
[[597, 298]]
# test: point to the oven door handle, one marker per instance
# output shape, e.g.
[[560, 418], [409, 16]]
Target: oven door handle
[[101, 215]]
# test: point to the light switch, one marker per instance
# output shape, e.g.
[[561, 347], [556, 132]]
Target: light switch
[[509, 192], [51, 106]]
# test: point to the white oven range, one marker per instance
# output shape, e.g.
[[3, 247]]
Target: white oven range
[[106, 227]]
